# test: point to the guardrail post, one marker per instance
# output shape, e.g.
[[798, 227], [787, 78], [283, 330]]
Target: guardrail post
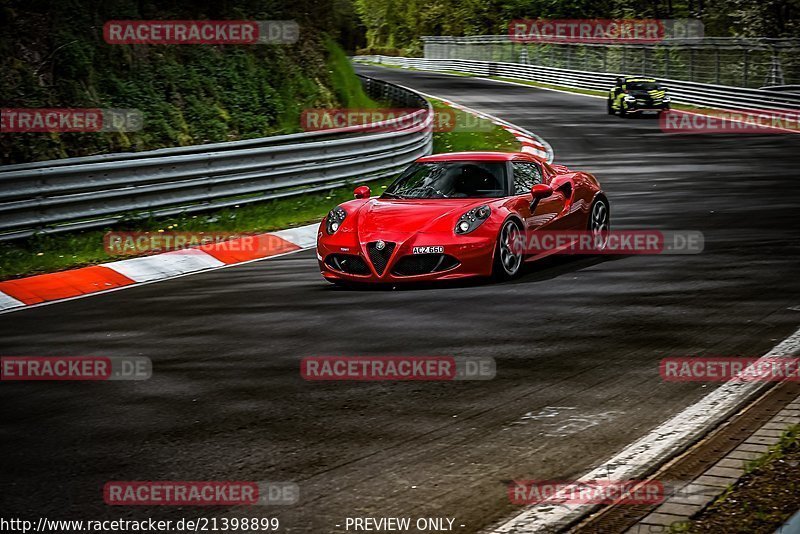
[[624, 65], [775, 71], [644, 61], [745, 72]]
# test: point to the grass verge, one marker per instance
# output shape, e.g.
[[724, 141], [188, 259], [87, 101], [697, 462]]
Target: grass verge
[[57, 252], [763, 499]]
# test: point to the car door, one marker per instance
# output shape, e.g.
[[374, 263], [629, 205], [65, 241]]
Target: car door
[[615, 91], [544, 213]]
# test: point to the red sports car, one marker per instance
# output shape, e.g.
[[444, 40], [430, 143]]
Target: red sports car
[[458, 215]]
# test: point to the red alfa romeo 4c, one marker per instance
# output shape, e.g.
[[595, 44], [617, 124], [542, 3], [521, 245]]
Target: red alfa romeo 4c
[[457, 215]]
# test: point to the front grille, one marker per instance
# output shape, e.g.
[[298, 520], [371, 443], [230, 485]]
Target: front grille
[[347, 263], [380, 258], [415, 264]]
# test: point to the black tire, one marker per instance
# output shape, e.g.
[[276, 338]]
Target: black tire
[[623, 111], [610, 107], [600, 222], [508, 255]]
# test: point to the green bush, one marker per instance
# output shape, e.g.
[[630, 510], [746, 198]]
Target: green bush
[[54, 55]]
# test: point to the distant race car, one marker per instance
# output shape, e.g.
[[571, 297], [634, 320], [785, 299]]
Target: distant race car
[[458, 215], [637, 95]]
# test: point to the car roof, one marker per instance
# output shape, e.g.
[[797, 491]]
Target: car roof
[[477, 156], [639, 79]]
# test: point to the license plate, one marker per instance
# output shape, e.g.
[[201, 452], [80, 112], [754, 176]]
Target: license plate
[[427, 250]]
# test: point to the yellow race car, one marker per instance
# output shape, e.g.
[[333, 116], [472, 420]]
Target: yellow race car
[[634, 94]]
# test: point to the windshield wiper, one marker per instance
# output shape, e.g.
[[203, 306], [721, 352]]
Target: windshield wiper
[[395, 195]]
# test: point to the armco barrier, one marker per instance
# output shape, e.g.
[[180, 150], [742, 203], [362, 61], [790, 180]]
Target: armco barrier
[[683, 92], [91, 192]]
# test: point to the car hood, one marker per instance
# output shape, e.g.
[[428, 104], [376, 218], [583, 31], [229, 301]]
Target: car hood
[[379, 217]]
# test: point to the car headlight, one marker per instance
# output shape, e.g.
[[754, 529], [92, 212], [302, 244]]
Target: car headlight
[[630, 98], [472, 219], [334, 219], [665, 99]]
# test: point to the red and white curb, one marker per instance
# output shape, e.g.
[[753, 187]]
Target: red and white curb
[[44, 288], [531, 143]]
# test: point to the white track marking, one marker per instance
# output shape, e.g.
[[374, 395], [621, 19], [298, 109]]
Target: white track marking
[[303, 236], [653, 449], [529, 86], [166, 265], [7, 302]]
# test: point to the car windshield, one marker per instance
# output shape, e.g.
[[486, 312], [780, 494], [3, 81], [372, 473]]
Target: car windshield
[[451, 179], [642, 86]]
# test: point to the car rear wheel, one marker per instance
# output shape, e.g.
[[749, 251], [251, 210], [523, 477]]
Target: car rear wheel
[[600, 223], [508, 252]]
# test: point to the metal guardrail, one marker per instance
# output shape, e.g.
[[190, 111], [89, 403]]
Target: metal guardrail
[[731, 61], [752, 42], [684, 92], [90, 192]]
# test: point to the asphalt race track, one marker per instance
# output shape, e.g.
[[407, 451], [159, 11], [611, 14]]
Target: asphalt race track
[[577, 343]]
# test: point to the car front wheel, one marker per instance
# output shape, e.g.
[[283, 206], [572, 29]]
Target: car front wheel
[[600, 223], [508, 252]]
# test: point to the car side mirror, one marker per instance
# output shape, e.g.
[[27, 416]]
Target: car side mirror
[[540, 191], [362, 192]]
